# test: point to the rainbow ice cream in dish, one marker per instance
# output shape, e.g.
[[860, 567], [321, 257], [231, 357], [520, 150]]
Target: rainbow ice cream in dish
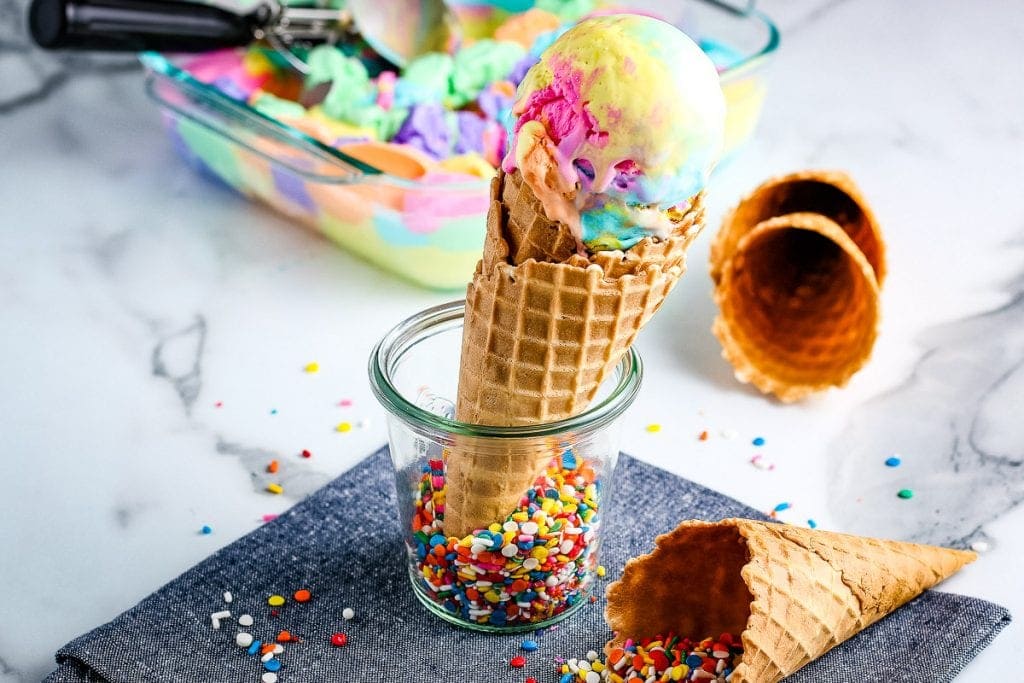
[[437, 131], [616, 128]]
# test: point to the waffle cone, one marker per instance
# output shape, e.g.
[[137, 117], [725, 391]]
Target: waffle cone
[[831, 194], [798, 291], [544, 326], [793, 594]]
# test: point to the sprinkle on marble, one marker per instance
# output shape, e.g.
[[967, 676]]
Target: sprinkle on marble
[[758, 441], [306, 453], [893, 461], [345, 403], [980, 546], [268, 518], [276, 489], [273, 411], [218, 404], [312, 367], [654, 427], [728, 433], [344, 427], [760, 463], [363, 423], [812, 524], [782, 506], [273, 466], [703, 436], [206, 530], [905, 494]]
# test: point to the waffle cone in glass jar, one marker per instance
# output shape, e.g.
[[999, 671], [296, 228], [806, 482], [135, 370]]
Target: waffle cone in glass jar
[[792, 593], [798, 267], [545, 325]]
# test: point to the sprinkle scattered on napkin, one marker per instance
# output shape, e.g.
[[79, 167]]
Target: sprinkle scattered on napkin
[[343, 544]]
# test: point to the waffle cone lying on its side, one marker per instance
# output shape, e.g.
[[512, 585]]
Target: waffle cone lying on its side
[[798, 266], [792, 593], [544, 326]]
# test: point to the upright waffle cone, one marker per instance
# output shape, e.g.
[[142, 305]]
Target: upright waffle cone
[[798, 266], [544, 327], [793, 594]]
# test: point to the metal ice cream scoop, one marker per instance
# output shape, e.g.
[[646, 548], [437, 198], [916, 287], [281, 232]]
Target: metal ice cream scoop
[[398, 30]]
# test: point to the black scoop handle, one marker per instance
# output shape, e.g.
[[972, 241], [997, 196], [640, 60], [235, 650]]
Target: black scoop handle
[[136, 25]]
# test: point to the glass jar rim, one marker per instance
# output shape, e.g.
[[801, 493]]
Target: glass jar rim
[[396, 342]]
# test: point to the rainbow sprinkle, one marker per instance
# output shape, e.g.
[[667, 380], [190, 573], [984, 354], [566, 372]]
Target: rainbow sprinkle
[[667, 658], [535, 565]]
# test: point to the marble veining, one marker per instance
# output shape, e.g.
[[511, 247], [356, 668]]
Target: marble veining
[[125, 514], [297, 479], [31, 76], [178, 358], [7, 670], [955, 422]]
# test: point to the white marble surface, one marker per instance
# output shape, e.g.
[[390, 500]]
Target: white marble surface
[[134, 296]]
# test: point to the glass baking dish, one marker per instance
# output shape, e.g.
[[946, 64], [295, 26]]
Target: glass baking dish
[[428, 232]]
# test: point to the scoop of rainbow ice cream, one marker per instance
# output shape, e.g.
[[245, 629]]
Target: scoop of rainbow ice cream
[[617, 127]]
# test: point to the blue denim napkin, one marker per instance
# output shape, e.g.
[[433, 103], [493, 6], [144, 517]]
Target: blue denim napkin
[[344, 544]]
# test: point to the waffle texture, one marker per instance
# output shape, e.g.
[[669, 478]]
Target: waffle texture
[[792, 593], [798, 292], [541, 334]]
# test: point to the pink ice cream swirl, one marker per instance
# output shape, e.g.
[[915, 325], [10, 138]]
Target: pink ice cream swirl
[[560, 108]]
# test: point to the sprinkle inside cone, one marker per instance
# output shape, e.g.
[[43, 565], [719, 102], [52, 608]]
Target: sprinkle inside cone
[[660, 658]]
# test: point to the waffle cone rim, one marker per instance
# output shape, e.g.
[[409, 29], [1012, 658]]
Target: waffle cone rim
[[720, 251], [733, 350]]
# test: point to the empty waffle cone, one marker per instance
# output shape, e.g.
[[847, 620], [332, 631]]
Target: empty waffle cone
[[798, 291], [831, 194], [544, 327], [791, 593]]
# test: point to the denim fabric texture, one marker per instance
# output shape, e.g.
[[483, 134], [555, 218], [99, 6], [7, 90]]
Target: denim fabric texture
[[344, 544]]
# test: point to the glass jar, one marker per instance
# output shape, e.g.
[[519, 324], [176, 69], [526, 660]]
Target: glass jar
[[534, 562]]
